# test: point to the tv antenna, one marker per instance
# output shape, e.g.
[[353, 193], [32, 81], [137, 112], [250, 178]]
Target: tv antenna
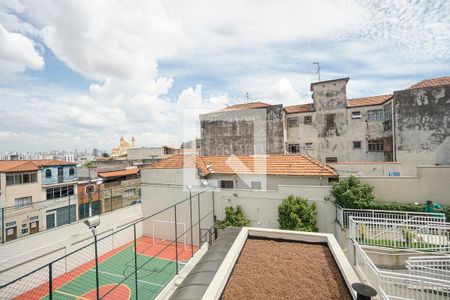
[[247, 97], [318, 69]]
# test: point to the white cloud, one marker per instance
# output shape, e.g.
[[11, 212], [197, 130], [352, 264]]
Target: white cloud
[[17, 53], [284, 91]]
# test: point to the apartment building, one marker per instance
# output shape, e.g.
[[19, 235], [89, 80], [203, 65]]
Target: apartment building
[[409, 126], [35, 195]]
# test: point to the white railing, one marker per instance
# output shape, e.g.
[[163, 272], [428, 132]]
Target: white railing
[[430, 266], [414, 233], [343, 215], [392, 285]]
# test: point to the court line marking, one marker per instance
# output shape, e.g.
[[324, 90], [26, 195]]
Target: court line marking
[[71, 295], [121, 276]]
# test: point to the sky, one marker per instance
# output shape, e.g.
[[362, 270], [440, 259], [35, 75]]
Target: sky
[[79, 74]]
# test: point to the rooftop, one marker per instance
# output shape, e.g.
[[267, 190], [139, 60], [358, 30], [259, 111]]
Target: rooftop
[[119, 173], [8, 166], [441, 81], [275, 164], [292, 109], [368, 101], [251, 105]]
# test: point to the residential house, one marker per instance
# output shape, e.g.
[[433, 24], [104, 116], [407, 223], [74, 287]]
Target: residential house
[[89, 203], [119, 188]]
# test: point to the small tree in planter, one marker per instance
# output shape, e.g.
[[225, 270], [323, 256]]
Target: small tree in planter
[[351, 193], [295, 213], [234, 217]]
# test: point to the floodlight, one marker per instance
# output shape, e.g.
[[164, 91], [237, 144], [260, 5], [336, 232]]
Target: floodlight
[[92, 222]]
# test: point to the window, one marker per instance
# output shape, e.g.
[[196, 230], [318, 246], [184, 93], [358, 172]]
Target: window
[[23, 201], [375, 115], [25, 231], [332, 180], [331, 159], [90, 189], [256, 185], [48, 173], [130, 192], [356, 144], [10, 224], [356, 115], [331, 121], [309, 146], [307, 120], [34, 218], [294, 148], [292, 122], [375, 145], [59, 192], [71, 171], [226, 184], [21, 178]]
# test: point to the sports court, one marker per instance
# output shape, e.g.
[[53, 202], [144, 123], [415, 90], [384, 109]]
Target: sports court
[[156, 264]]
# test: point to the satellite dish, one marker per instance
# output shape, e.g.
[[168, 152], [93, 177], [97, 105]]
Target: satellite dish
[[204, 182]]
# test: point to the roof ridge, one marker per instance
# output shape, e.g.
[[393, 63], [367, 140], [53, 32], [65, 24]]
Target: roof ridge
[[318, 163]]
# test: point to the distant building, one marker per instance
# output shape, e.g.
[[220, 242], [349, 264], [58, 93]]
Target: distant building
[[119, 188], [148, 155], [36, 195], [409, 126], [88, 198], [123, 147]]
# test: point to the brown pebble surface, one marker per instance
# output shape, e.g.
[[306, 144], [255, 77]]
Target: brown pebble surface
[[270, 269]]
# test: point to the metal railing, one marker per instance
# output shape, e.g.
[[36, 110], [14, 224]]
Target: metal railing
[[343, 215], [394, 285], [412, 233], [429, 266], [135, 261]]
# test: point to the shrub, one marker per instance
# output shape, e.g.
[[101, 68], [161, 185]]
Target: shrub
[[294, 213], [351, 193], [234, 218]]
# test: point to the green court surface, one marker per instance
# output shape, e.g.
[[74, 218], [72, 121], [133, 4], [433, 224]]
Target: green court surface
[[153, 274]]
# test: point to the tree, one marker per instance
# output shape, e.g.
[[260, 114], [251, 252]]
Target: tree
[[351, 193], [234, 218], [294, 213], [105, 155]]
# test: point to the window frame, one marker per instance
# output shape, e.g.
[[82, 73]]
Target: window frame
[[375, 115], [297, 122], [331, 159], [255, 185], [71, 171], [307, 118], [225, 184], [292, 146], [375, 145], [22, 201], [48, 173], [328, 121], [357, 148], [356, 115], [309, 146]]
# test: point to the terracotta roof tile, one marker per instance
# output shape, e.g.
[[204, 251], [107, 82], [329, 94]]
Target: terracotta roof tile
[[431, 82], [28, 165], [292, 109], [251, 105], [368, 101], [295, 165], [118, 173]]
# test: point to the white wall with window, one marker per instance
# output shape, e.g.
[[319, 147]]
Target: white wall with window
[[23, 201]]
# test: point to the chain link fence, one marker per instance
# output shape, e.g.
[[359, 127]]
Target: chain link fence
[[136, 261]]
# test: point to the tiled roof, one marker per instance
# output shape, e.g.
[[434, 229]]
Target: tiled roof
[[431, 82], [118, 173], [368, 101], [276, 164], [28, 165], [299, 108], [251, 105]]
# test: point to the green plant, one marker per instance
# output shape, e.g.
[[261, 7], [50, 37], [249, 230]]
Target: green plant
[[408, 235], [294, 213], [351, 193], [234, 217]]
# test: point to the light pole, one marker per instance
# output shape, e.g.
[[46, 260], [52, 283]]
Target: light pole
[[92, 223]]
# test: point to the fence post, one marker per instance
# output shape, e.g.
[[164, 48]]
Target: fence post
[[213, 207], [190, 216], [50, 281], [3, 225], [176, 240], [135, 261], [199, 221], [96, 265]]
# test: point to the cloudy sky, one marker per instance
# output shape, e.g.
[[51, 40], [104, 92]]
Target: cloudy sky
[[81, 73]]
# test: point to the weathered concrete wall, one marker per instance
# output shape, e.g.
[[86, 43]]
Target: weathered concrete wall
[[423, 125], [243, 132], [330, 98]]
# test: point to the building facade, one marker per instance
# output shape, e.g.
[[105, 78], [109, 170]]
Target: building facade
[[409, 126], [36, 195]]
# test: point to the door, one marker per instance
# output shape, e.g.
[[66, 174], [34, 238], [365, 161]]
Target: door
[[11, 233], [34, 227], [51, 220], [60, 174]]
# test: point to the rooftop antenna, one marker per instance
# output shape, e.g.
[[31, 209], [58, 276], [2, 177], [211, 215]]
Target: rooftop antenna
[[318, 69], [246, 94]]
